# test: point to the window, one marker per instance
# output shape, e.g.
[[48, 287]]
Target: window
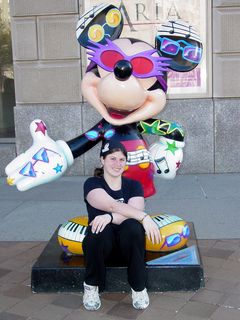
[[7, 91]]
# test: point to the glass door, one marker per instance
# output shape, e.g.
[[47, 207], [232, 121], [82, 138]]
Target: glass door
[[7, 91]]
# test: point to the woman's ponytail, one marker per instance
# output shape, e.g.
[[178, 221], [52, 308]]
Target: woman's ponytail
[[98, 172]]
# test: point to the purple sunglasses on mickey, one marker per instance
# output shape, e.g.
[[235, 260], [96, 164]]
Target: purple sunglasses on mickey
[[144, 64]]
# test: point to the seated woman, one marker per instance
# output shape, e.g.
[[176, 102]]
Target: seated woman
[[117, 221]]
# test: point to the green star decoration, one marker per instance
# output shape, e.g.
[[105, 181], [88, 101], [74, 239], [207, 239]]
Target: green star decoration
[[152, 128], [174, 126], [161, 127], [171, 147]]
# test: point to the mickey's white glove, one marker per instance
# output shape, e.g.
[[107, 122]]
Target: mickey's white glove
[[167, 157], [45, 161]]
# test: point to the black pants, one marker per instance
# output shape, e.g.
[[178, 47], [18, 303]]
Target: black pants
[[127, 239]]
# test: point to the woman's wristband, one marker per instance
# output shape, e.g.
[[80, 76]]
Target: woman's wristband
[[145, 215], [110, 216]]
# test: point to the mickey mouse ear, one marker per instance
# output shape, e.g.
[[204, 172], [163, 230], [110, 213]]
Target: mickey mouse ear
[[100, 22], [179, 41]]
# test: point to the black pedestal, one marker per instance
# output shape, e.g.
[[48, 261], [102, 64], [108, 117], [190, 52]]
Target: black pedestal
[[54, 271]]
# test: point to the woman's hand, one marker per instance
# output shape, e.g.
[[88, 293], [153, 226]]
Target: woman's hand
[[99, 222], [152, 231]]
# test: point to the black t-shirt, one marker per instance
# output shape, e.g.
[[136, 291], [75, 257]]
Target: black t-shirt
[[130, 188]]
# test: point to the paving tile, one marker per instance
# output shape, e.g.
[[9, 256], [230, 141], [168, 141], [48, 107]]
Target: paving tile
[[14, 263], [26, 307], [10, 316], [3, 272], [19, 291], [168, 303], [235, 256], [9, 244], [212, 262], [6, 286], [88, 315], [232, 301], [230, 244], [231, 275], [7, 302], [32, 253], [27, 245], [31, 318], [206, 243], [70, 301], [221, 292], [220, 285], [43, 298], [199, 309], [9, 251], [209, 272], [15, 277], [106, 305], [231, 266], [223, 313], [2, 258], [124, 310], [186, 295], [219, 253], [51, 312], [203, 251], [236, 288], [208, 296], [156, 314], [181, 316], [4, 255], [113, 296], [27, 281], [18, 247]]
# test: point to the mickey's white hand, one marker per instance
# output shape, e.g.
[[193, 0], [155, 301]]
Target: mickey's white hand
[[167, 157], [45, 161]]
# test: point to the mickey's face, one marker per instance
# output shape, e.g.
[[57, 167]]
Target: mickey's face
[[121, 85]]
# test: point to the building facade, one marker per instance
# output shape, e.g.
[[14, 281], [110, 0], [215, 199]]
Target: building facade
[[48, 67]]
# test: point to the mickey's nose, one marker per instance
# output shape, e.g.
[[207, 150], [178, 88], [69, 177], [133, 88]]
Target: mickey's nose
[[122, 70]]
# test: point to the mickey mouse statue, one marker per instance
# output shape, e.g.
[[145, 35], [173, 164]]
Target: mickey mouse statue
[[126, 83]]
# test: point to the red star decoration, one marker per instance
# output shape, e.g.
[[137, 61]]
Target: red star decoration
[[178, 164], [40, 127]]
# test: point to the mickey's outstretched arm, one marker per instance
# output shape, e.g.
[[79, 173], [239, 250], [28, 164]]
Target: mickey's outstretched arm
[[86, 141], [46, 160]]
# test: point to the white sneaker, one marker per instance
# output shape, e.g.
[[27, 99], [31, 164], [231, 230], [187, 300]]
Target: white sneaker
[[140, 299], [91, 300]]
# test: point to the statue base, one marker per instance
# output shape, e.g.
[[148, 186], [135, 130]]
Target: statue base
[[182, 270]]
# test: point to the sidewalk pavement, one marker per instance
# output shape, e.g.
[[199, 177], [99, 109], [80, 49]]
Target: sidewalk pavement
[[28, 220], [210, 201]]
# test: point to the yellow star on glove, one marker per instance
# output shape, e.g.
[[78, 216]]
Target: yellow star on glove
[[10, 181]]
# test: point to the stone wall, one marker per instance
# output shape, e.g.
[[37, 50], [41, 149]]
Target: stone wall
[[226, 48], [226, 84], [47, 68]]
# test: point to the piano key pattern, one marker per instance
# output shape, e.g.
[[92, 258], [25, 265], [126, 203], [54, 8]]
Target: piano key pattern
[[164, 219], [72, 231], [138, 157]]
